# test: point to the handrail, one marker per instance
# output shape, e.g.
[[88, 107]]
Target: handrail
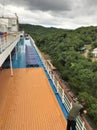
[[6, 40], [82, 123], [86, 123]]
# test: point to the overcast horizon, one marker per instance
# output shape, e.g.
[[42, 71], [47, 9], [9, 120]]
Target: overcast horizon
[[66, 14]]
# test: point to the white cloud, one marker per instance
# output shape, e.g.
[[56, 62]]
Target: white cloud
[[64, 14]]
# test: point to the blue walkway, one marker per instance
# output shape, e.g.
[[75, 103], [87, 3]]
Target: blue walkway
[[19, 61]]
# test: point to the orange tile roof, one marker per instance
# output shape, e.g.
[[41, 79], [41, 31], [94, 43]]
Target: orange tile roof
[[27, 102]]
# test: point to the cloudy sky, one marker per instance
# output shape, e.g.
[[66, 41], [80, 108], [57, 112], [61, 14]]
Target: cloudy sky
[[68, 14]]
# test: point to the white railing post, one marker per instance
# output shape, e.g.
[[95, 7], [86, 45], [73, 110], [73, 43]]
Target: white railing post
[[83, 126], [50, 74], [53, 79], [70, 105], [57, 87], [63, 96]]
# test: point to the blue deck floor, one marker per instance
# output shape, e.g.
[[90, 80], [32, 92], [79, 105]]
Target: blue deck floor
[[19, 61]]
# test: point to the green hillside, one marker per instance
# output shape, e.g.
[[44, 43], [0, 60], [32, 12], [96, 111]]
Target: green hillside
[[66, 49]]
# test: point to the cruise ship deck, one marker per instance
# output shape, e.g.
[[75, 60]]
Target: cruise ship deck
[[27, 102], [31, 95]]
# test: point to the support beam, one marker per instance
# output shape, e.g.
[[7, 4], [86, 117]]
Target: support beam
[[11, 69], [16, 52]]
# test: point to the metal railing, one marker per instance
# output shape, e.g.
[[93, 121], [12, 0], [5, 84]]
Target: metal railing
[[65, 98], [7, 40]]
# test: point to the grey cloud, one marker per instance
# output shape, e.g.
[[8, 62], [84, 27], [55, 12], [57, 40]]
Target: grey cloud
[[44, 5], [91, 2], [51, 5], [56, 12]]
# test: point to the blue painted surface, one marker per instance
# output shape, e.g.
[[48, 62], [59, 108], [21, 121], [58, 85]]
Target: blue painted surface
[[19, 61]]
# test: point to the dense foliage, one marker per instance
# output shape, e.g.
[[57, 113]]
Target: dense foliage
[[63, 46]]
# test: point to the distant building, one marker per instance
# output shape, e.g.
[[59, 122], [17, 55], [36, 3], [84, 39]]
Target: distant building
[[3, 28], [12, 25], [94, 52], [3, 25], [82, 49], [9, 24]]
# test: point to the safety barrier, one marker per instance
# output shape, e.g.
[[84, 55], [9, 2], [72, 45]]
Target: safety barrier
[[7, 40], [82, 123]]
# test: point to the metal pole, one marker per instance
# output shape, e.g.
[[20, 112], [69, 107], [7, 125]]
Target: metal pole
[[16, 52], [11, 69]]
